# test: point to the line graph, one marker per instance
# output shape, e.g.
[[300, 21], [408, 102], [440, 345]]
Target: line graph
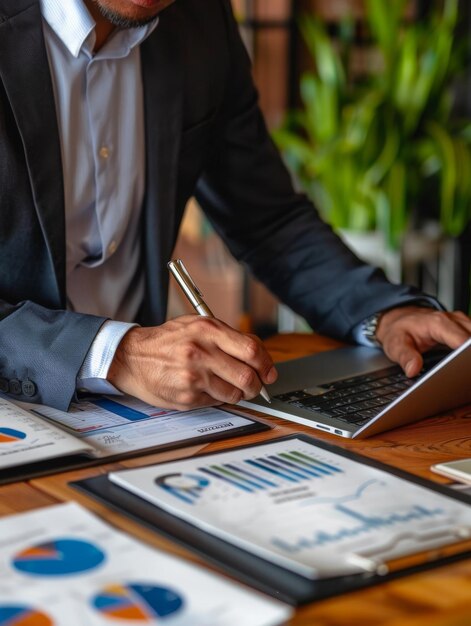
[[357, 523], [312, 510]]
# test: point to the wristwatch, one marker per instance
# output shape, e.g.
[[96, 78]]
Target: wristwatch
[[369, 328]]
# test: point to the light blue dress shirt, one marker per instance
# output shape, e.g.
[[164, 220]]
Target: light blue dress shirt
[[100, 112]]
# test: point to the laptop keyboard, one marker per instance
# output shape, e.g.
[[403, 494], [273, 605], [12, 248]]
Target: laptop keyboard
[[357, 399]]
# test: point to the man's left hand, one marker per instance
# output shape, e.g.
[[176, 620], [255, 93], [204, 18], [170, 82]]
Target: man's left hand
[[406, 332]]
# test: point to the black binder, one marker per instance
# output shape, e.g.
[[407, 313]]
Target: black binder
[[272, 579], [71, 462]]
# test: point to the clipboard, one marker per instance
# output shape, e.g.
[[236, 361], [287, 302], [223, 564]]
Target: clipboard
[[257, 572], [60, 464]]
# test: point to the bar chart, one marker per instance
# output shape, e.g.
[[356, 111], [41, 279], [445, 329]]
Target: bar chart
[[303, 507], [270, 471]]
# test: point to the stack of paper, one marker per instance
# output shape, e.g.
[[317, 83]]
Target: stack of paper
[[61, 566]]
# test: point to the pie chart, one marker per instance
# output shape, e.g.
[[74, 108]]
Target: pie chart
[[138, 602], [8, 435], [22, 616], [59, 558]]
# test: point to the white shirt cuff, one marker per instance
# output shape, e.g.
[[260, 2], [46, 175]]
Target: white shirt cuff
[[92, 375]]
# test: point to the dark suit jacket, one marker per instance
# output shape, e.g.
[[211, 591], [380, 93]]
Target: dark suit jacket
[[204, 136]]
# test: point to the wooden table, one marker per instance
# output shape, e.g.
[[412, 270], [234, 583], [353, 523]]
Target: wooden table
[[440, 597]]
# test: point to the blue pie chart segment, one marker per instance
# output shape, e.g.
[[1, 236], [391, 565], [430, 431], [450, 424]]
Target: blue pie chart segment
[[138, 603], [10, 435], [11, 615], [59, 558]]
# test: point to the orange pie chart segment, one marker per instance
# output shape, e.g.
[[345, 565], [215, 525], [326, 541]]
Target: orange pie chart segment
[[139, 602], [11, 435], [22, 616]]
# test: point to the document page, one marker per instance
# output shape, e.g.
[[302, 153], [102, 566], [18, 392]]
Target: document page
[[120, 424], [304, 508], [62, 566], [26, 439], [102, 412]]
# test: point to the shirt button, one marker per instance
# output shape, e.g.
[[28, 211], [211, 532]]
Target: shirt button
[[28, 388], [15, 386], [104, 152], [112, 247]]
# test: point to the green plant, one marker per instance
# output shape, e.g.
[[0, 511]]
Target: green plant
[[367, 150]]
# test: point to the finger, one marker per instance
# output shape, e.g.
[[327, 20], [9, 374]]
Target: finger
[[250, 350], [445, 329], [463, 320], [223, 391], [245, 348], [215, 392], [235, 374], [272, 374], [426, 327], [401, 348], [200, 400], [177, 399], [201, 362]]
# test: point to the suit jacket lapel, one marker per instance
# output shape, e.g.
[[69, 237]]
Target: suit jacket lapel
[[24, 70], [162, 70]]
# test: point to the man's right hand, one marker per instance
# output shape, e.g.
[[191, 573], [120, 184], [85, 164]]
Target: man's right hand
[[191, 362]]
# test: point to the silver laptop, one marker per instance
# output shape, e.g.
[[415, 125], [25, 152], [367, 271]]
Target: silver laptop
[[357, 391]]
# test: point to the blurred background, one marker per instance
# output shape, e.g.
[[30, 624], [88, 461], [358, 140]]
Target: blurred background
[[369, 102]]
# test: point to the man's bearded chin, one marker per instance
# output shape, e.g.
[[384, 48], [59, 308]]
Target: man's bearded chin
[[122, 21]]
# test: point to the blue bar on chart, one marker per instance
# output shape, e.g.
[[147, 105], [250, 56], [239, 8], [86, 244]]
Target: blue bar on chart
[[273, 471], [120, 409]]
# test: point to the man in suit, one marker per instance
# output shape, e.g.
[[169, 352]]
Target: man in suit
[[113, 113]]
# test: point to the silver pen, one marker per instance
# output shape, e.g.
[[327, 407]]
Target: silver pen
[[195, 298]]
